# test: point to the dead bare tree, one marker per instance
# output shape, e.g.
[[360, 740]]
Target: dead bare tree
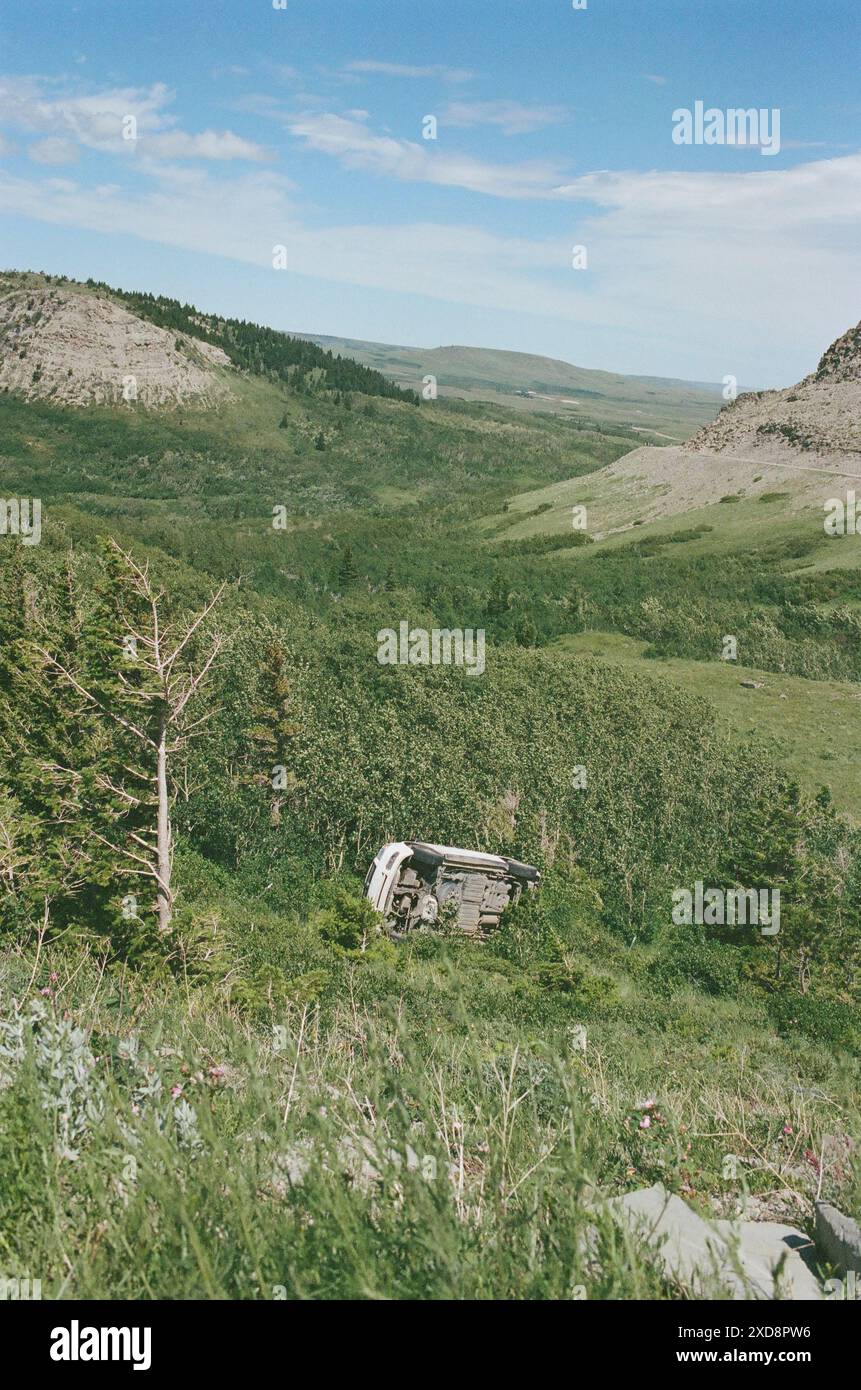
[[156, 648]]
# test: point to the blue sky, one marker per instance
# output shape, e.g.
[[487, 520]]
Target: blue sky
[[302, 127]]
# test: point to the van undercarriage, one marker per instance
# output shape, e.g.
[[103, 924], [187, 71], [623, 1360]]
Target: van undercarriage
[[418, 885]]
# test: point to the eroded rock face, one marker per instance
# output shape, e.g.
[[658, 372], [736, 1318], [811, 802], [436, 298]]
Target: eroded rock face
[[842, 361], [75, 346], [820, 416]]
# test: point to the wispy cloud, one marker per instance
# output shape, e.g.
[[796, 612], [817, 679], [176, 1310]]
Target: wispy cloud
[[656, 78], [358, 147], [208, 144], [438, 70], [512, 117], [245, 217], [54, 150], [767, 203], [810, 145], [95, 120], [755, 256], [99, 121], [285, 72], [760, 257]]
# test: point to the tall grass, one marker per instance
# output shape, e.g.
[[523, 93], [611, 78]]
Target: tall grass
[[156, 1143]]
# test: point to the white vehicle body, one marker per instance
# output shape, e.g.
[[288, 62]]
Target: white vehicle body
[[412, 882]]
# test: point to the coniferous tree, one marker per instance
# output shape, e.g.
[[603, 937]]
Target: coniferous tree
[[51, 856], [273, 729], [347, 572], [265, 351], [795, 844], [24, 799], [498, 600]]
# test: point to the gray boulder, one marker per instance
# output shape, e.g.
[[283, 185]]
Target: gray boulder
[[838, 1239], [734, 1259]]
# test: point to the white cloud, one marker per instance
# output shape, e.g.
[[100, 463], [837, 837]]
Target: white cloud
[[447, 74], [209, 144], [656, 78], [97, 120], [692, 275], [94, 120], [761, 200], [512, 117], [260, 104], [759, 262], [54, 150], [60, 186], [357, 147], [246, 217]]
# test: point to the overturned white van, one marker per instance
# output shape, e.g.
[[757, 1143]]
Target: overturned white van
[[414, 884]]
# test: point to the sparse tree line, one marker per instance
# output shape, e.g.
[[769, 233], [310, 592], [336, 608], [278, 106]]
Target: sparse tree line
[[264, 351]]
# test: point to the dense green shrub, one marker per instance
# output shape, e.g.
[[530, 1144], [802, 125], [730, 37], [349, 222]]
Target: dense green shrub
[[347, 922], [686, 956], [828, 1021]]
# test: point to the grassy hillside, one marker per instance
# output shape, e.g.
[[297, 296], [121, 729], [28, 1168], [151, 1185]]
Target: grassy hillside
[[811, 727], [437, 1132], [758, 567], [522, 381], [271, 1094]]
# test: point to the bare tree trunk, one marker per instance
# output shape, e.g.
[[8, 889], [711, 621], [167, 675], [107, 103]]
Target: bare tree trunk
[[163, 839], [171, 686]]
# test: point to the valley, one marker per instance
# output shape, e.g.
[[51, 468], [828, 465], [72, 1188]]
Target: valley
[[600, 736], [430, 673]]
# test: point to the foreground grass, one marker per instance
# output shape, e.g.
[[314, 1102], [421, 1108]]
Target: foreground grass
[[431, 1132]]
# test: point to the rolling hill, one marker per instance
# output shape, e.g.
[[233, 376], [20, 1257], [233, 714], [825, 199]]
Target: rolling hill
[[799, 442], [82, 344], [76, 344], [63, 343], [523, 381], [739, 509]]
